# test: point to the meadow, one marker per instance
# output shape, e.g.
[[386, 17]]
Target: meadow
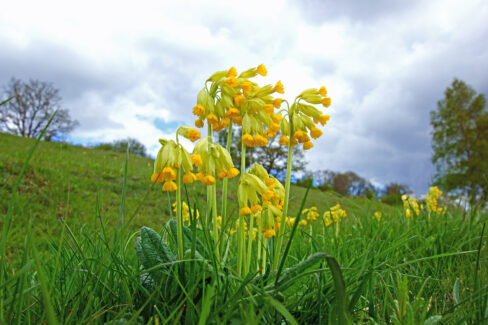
[[88, 238]]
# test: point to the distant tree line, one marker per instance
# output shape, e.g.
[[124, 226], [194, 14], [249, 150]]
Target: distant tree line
[[135, 147]]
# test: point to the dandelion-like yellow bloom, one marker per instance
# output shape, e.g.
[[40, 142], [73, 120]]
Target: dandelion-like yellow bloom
[[198, 110], [261, 69]]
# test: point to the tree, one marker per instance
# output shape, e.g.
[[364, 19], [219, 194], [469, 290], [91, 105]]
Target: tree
[[135, 147], [31, 107], [393, 193], [460, 142]]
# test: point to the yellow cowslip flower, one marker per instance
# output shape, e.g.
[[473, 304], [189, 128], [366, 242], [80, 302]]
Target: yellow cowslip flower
[[307, 145], [238, 99], [270, 182], [279, 88], [274, 127], [315, 132], [284, 141], [289, 221], [267, 196], [245, 210], [302, 222], [232, 172], [261, 69], [237, 120], [189, 178], [246, 87], [322, 91], [327, 218], [268, 233], [260, 141], [268, 109], [157, 177], [276, 118], [377, 215], [221, 173], [168, 173], [277, 102], [199, 123], [198, 110], [208, 180], [212, 119], [323, 119], [231, 82], [196, 159], [232, 112], [248, 140], [189, 133], [326, 101], [232, 72], [255, 208], [169, 186], [200, 175]]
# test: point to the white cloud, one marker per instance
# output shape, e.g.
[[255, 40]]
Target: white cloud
[[121, 66]]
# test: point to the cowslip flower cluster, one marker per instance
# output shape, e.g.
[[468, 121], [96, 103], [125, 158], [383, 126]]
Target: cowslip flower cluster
[[411, 206], [211, 159], [432, 200], [172, 157], [185, 211], [334, 215], [377, 216], [305, 118], [265, 195]]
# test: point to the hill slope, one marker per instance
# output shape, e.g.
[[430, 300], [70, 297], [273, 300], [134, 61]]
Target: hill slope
[[70, 182]]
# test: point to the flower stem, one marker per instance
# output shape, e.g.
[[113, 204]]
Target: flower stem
[[279, 243], [179, 216], [240, 229], [223, 213], [250, 234], [209, 192]]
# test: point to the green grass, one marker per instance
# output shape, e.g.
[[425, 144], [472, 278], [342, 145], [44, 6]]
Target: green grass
[[64, 264]]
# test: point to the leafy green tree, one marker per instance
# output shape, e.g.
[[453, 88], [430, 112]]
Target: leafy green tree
[[460, 142]]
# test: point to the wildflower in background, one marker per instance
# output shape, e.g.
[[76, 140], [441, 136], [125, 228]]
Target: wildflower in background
[[432, 200], [377, 215], [410, 206]]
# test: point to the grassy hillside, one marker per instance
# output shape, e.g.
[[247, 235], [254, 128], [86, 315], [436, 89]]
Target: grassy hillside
[[70, 182]]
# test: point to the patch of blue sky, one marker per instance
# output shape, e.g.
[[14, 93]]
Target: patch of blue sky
[[167, 127]]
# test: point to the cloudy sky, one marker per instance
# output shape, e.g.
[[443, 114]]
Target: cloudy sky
[[134, 70]]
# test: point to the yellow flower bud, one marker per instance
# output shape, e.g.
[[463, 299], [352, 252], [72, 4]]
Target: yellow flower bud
[[323, 119]]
